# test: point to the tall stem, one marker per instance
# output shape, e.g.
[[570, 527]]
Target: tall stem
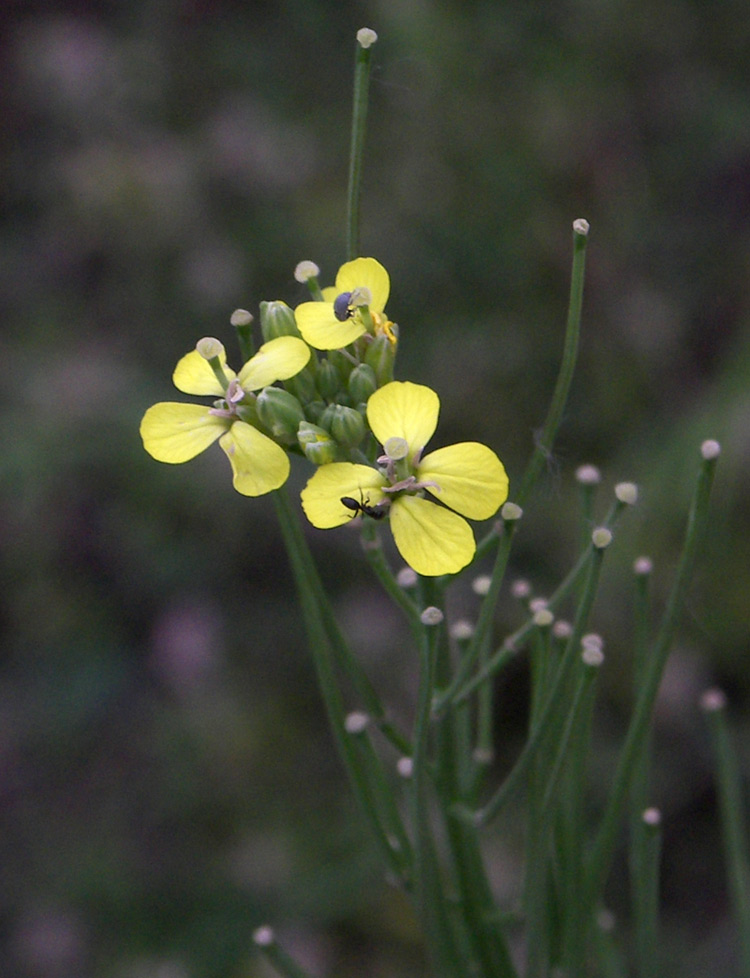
[[365, 38]]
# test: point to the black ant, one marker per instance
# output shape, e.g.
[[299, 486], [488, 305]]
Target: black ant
[[363, 506]]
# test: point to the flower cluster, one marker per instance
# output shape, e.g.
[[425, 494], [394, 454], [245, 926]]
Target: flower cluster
[[321, 386]]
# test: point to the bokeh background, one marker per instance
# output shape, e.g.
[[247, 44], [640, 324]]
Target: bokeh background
[[167, 782]]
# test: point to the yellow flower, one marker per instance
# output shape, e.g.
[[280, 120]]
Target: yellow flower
[[468, 477], [338, 321], [174, 432]]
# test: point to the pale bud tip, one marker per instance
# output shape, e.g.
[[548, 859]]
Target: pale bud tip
[[405, 767], [627, 493], [462, 630], [581, 226], [241, 317], [643, 566], [592, 657], [562, 629], [366, 37], [431, 616], [356, 722], [592, 640], [209, 347], [538, 604], [481, 585], [511, 511], [264, 936], [601, 537], [306, 270], [710, 449], [588, 475], [407, 578], [651, 816], [543, 618], [520, 589], [713, 700]]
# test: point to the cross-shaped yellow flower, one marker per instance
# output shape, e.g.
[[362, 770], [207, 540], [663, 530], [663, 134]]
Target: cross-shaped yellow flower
[[175, 432], [468, 478]]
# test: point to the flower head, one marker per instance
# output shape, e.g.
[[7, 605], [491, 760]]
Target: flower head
[[355, 305], [175, 432], [468, 478]]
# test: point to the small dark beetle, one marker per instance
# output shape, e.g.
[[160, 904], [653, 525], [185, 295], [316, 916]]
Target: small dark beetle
[[341, 308]]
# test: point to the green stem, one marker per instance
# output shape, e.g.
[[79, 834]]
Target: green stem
[[279, 959], [647, 841], [439, 933], [550, 716], [356, 149], [733, 822], [638, 730], [364, 780], [546, 438]]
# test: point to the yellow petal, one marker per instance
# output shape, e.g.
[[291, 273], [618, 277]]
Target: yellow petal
[[367, 273], [278, 359], [175, 433], [259, 464], [471, 479], [193, 375], [321, 497], [404, 410], [319, 327], [431, 539]]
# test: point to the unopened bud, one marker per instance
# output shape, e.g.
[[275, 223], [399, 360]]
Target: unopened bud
[[562, 629], [592, 640], [306, 270], [316, 443], [431, 616], [264, 936], [356, 722], [347, 426], [710, 449], [588, 475], [362, 383], [277, 319], [581, 226], [510, 512], [405, 767], [462, 630], [381, 355], [592, 657], [520, 589], [537, 604], [481, 585], [601, 537], [543, 618], [327, 379], [280, 412], [627, 493], [713, 700], [643, 566], [651, 817], [407, 578]]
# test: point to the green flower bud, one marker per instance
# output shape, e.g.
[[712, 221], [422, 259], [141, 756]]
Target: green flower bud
[[314, 409], [281, 413], [302, 385], [325, 419], [381, 355], [342, 363], [316, 443], [277, 319], [327, 380], [247, 411], [362, 383], [347, 426]]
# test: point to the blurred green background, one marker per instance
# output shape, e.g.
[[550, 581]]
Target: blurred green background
[[167, 782]]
